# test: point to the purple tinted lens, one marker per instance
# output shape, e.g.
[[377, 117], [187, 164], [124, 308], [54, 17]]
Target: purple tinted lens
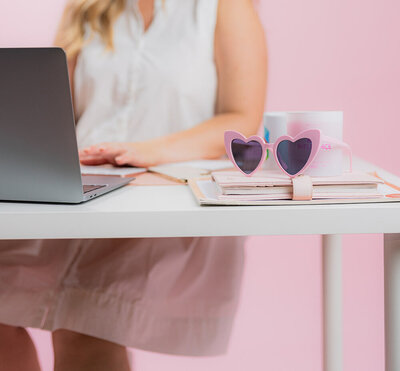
[[294, 155], [246, 155]]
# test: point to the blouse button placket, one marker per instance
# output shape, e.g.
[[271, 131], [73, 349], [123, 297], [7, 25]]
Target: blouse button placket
[[134, 70], [133, 75]]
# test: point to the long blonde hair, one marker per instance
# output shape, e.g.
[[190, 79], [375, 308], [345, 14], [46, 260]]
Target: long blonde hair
[[100, 15]]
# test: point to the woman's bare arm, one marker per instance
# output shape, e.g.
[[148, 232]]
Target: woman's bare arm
[[241, 59]]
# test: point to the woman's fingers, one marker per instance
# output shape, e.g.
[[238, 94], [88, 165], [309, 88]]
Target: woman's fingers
[[133, 154], [110, 150], [120, 160], [97, 149], [124, 160], [89, 151], [103, 153], [93, 160]]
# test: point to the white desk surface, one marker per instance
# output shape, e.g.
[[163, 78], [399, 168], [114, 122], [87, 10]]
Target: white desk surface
[[169, 211]]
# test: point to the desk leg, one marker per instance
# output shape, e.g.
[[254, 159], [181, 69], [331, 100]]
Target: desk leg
[[332, 292], [392, 301]]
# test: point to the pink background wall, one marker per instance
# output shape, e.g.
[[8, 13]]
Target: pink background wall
[[323, 55]]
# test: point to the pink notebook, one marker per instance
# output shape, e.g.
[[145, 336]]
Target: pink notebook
[[268, 178], [274, 185]]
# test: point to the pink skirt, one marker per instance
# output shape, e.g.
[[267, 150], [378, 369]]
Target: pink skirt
[[168, 295]]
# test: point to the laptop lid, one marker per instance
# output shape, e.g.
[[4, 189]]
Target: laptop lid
[[38, 151]]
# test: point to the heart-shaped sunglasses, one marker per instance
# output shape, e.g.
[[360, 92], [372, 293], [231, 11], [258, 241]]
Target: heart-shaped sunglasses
[[292, 154]]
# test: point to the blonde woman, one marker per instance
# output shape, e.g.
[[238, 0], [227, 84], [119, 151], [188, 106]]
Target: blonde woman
[[153, 81]]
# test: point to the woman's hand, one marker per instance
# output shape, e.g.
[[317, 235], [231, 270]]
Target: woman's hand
[[139, 154]]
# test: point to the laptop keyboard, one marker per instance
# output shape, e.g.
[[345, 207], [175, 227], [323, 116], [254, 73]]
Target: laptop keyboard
[[87, 188]]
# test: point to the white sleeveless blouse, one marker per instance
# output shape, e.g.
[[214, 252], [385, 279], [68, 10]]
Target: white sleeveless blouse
[[156, 82]]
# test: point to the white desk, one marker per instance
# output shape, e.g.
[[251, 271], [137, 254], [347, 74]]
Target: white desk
[[168, 211]]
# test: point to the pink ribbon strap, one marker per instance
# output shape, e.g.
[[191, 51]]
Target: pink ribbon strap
[[302, 188]]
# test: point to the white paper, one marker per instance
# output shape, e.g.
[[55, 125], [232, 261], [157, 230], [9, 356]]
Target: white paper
[[209, 189], [210, 165], [110, 170]]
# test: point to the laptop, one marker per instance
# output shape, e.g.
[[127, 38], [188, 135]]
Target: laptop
[[39, 159]]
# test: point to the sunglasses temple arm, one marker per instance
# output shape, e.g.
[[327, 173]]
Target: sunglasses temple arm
[[340, 144]]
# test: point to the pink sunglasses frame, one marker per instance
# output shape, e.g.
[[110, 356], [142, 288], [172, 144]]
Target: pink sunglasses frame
[[314, 134]]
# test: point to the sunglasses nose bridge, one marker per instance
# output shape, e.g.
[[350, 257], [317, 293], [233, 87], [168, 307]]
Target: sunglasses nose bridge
[[268, 145]]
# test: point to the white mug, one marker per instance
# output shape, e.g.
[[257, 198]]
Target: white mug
[[329, 160]]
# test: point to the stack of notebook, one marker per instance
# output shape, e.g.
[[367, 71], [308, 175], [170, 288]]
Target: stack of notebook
[[274, 185]]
